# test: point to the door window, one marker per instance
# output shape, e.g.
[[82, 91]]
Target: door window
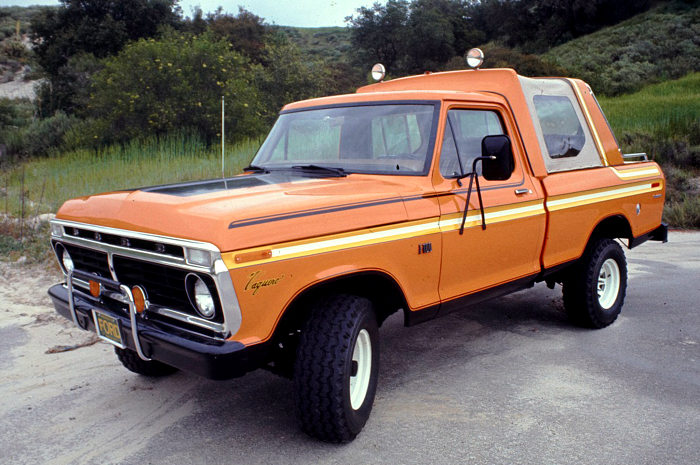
[[461, 144]]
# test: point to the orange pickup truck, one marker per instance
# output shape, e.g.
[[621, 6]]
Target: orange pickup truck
[[423, 195]]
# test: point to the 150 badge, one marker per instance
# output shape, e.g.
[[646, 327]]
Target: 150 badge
[[255, 283]]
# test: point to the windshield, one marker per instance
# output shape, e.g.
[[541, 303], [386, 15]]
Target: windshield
[[381, 139]]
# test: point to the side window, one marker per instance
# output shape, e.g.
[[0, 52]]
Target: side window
[[463, 134], [561, 128]]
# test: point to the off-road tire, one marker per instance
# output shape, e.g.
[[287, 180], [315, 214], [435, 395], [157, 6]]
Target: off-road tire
[[582, 300], [133, 362], [324, 365]]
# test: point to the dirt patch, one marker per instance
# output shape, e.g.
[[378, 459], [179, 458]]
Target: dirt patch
[[19, 89]]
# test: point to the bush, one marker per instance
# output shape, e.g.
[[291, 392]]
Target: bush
[[684, 214], [155, 87], [8, 113], [45, 136], [69, 89], [42, 137], [661, 44], [14, 49], [285, 77]]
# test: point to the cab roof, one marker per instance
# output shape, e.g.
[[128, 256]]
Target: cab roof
[[475, 85]]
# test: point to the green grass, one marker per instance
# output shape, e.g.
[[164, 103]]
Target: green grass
[[51, 181], [666, 111], [663, 120]]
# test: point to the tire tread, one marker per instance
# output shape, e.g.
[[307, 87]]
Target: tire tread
[[318, 375], [133, 362], [579, 302]]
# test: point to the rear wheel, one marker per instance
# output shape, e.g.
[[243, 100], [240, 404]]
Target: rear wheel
[[594, 289], [133, 362], [336, 368]]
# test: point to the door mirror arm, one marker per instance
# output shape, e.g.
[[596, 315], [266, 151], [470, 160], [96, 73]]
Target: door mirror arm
[[473, 175]]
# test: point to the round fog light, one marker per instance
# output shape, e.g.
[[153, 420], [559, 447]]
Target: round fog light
[[66, 260], [200, 297]]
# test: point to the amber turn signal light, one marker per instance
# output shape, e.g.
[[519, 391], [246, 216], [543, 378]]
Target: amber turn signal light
[[95, 288], [139, 298], [253, 256]]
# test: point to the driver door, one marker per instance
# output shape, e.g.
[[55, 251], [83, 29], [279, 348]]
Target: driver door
[[481, 263]]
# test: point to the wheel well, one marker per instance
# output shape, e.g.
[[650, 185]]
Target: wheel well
[[613, 227], [379, 288]]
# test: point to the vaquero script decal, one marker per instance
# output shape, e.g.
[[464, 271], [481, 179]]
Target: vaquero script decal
[[255, 286]]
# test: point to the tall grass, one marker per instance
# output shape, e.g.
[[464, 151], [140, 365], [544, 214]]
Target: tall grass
[[145, 162], [670, 110], [663, 120]]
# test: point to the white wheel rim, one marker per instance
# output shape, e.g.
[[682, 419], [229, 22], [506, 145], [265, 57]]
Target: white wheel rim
[[362, 355], [608, 283]]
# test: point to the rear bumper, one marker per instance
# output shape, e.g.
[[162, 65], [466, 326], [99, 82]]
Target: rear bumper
[[659, 234], [186, 350]]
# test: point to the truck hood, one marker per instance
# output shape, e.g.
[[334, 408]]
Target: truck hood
[[250, 210]]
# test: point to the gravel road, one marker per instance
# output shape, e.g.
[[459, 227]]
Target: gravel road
[[510, 382]]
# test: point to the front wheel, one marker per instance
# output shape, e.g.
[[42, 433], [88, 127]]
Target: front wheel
[[595, 288], [151, 368], [336, 368]]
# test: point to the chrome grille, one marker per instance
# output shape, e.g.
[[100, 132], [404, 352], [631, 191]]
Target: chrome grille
[[88, 260], [165, 285]]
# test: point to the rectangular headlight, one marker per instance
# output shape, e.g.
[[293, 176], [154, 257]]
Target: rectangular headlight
[[56, 230], [199, 257]]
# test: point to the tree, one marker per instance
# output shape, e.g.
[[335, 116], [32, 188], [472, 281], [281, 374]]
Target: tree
[[96, 28], [283, 77], [413, 37], [432, 38], [99, 27], [155, 87], [380, 34], [247, 33]]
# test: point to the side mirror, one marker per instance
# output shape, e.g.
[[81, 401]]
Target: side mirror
[[500, 168]]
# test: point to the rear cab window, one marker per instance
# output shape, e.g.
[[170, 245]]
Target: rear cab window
[[564, 136]]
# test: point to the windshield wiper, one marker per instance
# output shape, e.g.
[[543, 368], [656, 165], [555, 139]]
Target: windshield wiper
[[257, 169], [335, 172]]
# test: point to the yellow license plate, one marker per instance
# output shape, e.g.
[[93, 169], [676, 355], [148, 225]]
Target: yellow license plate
[[108, 328]]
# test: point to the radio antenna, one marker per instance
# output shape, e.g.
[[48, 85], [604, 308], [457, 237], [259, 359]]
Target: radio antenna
[[223, 140]]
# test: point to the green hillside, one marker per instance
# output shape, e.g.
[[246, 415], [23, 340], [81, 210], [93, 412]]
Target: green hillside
[[661, 44], [9, 15], [663, 120], [329, 44]]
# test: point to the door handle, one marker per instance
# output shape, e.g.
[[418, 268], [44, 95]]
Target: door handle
[[522, 191]]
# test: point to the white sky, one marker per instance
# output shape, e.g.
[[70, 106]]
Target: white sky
[[300, 13]]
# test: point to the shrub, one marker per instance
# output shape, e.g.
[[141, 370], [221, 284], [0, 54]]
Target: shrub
[[69, 89], [14, 49], [658, 45], [8, 113], [285, 77], [155, 87], [684, 214], [38, 138], [44, 136]]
